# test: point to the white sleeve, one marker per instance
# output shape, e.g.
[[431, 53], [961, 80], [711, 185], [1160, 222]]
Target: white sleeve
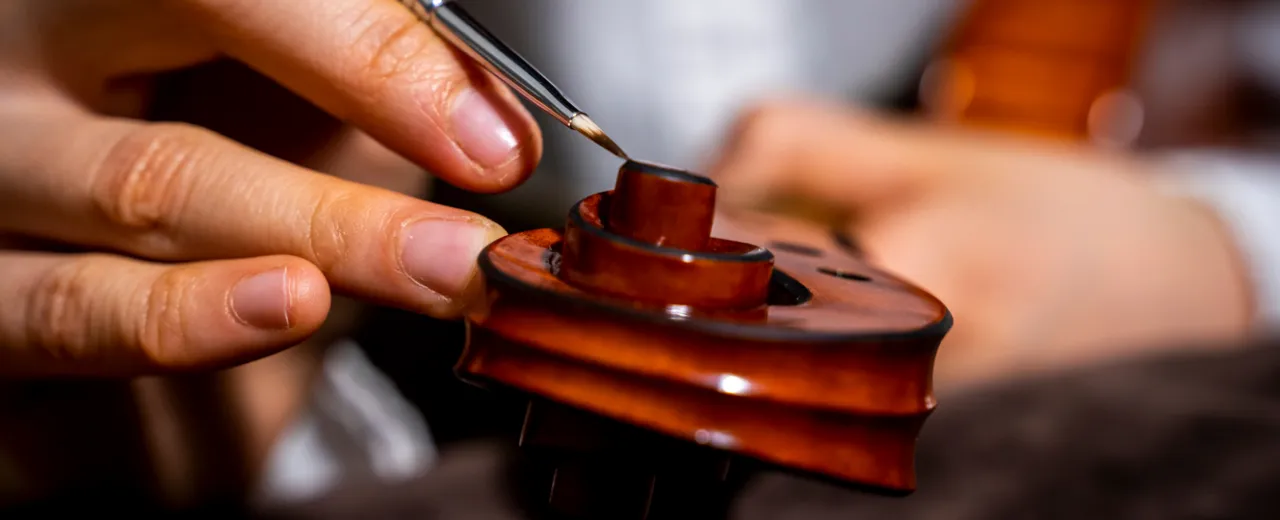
[[1245, 193]]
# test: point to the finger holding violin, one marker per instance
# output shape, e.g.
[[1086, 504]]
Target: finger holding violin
[[181, 193], [103, 315], [78, 46], [374, 64]]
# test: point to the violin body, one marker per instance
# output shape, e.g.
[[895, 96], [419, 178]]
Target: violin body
[[768, 340], [1056, 69]]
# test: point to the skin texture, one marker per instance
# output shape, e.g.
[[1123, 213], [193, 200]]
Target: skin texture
[[127, 240], [145, 205], [155, 157], [1048, 254]]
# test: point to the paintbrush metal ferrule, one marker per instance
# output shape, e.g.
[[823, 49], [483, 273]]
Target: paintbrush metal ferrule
[[459, 28]]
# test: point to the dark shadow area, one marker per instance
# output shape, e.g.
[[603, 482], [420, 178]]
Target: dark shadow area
[[1188, 436], [1177, 437]]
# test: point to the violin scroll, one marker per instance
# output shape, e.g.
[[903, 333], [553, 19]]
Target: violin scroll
[[766, 339]]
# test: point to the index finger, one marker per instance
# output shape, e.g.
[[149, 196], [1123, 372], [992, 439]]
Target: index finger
[[374, 64]]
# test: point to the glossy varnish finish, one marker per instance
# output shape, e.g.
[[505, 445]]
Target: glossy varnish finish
[[770, 341], [662, 207]]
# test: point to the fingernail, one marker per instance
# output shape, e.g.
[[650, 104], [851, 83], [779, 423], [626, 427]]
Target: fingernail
[[481, 130], [441, 254], [262, 300]]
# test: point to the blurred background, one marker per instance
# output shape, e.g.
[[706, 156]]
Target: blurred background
[[665, 78], [668, 76]]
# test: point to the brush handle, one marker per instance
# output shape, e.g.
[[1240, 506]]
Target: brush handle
[[458, 27]]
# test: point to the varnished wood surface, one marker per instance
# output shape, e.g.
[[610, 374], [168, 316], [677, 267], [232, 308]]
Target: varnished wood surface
[[657, 207], [823, 364], [770, 338], [724, 276], [1045, 67]]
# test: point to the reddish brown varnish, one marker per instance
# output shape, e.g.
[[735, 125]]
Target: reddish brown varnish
[[770, 341], [1042, 67]]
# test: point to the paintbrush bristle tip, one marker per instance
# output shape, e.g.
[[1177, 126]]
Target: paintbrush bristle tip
[[585, 126]]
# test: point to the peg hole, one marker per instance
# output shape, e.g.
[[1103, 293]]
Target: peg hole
[[785, 291], [844, 274], [796, 248]]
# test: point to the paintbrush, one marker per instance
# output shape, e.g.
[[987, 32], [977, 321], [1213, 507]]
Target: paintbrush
[[455, 25]]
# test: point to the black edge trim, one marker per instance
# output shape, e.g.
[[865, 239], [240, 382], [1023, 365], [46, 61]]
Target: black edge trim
[[724, 329]]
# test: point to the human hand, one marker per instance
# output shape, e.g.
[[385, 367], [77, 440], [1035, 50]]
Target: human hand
[[197, 252], [1046, 254]]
